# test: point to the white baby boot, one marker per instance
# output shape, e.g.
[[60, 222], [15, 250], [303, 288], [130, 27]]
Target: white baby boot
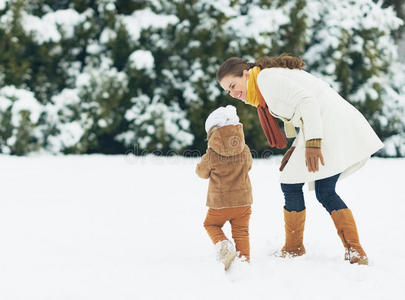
[[226, 252]]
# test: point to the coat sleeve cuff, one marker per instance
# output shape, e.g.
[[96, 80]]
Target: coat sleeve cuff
[[314, 143]]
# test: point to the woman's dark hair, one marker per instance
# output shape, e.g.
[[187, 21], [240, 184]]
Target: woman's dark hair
[[235, 66]]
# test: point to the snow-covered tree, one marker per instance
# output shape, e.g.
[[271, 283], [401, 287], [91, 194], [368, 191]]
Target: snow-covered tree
[[82, 59], [155, 121], [20, 113], [350, 45], [92, 110], [111, 75]]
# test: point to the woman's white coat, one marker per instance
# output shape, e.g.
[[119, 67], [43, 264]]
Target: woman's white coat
[[319, 112]]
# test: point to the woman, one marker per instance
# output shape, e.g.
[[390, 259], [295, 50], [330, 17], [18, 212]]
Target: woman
[[334, 140]]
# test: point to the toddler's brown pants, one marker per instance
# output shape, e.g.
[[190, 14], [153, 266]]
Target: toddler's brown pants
[[239, 219]]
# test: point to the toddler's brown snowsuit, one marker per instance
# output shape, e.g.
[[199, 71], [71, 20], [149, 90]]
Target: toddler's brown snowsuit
[[227, 163]]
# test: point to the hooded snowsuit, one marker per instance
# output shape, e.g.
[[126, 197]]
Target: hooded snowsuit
[[227, 163]]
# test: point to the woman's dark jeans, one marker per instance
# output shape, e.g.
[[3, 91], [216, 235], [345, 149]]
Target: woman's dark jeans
[[324, 190]]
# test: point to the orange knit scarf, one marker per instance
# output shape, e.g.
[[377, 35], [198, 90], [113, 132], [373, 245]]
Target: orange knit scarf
[[275, 137]]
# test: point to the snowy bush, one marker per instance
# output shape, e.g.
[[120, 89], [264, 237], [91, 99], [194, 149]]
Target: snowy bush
[[81, 116], [393, 111], [19, 115], [52, 25], [351, 47], [107, 75], [155, 126], [65, 128]]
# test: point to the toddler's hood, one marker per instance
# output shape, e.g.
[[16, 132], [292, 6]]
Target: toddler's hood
[[228, 140]]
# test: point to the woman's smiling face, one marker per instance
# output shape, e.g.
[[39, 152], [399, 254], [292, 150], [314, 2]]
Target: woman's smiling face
[[236, 86]]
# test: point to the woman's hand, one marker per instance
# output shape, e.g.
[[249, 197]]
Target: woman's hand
[[312, 156], [286, 157]]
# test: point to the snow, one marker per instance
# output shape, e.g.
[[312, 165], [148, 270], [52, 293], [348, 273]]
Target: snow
[[3, 4], [223, 6], [45, 29], [258, 22], [69, 135], [107, 35], [94, 48], [141, 59], [108, 5], [145, 114], [23, 100], [126, 227], [142, 19]]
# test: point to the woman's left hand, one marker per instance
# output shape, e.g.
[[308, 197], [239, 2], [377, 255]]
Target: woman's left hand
[[312, 157]]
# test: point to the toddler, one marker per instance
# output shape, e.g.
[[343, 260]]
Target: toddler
[[226, 163]]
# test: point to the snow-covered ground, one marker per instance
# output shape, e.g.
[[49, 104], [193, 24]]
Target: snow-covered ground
[[121, 227]]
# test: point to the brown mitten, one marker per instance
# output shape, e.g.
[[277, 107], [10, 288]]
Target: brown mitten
[[313, 154]]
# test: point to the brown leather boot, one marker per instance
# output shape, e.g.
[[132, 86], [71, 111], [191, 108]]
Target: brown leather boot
[[347, 231], [294, 233]]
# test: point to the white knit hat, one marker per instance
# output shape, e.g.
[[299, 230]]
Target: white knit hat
[[222, 116]]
